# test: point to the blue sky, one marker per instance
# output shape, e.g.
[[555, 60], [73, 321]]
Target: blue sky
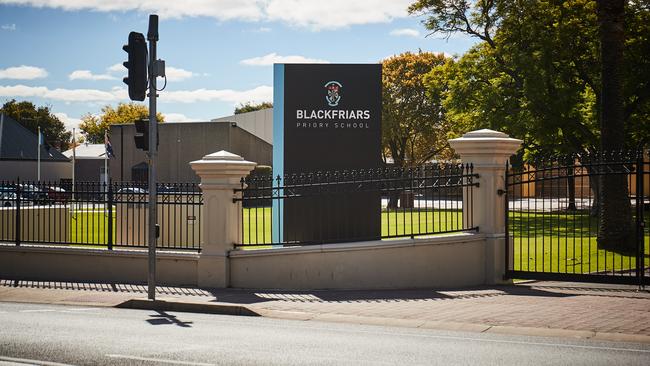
[[67, 54]]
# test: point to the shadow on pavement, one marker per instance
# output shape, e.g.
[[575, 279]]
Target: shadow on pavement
[[256, 296], [162, 318]]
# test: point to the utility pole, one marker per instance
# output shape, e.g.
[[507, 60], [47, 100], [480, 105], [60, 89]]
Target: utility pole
[[139, 72], [152, 37]]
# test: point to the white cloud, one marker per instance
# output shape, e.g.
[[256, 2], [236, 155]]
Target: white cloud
[[173, 73], [68, 121], [9, 27], [263, 29], [176, 74], [272, 58], [116, 68], [255, 95], [179, 117], [65, 95], [118, 94], [87, 75], [23, 73], [408, 32], [331, 14]]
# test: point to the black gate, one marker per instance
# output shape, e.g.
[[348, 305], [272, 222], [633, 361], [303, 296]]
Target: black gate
[[554, 219]]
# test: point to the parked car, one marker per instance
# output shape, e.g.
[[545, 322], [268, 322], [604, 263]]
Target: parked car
[[131, 190], [34, 194], [131, 195], [57, 194], [7, 199]]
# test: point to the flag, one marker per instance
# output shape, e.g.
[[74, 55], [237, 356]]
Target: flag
[[41, 138], [108, 146]]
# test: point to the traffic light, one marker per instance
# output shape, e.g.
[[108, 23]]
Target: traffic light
[[137, 66], [142, 134]]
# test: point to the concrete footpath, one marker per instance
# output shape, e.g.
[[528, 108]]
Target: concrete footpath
[[552, 309]]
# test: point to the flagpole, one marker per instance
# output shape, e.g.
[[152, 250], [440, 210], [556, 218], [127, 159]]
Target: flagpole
[[38, 164], [74, 159], [105, 160]]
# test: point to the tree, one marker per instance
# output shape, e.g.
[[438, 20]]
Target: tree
[[32, 117], [414, 128], [250, 107], [531, 76], [536, 73], [93, 127]]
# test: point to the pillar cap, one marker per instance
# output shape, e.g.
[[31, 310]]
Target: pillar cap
[[485, 147], [222, 164], [485, 133], [223, 155]]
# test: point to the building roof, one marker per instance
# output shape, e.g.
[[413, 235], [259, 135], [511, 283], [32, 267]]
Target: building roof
[[19, 143], [87, 151]]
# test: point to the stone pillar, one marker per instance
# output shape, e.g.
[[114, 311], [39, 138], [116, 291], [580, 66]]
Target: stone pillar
[[489, 150], [220, 175]]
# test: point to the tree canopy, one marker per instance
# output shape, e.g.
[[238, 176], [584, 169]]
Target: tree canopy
[[536, 72], [93, 127], [32, 117], [251, 107], [414, 128]]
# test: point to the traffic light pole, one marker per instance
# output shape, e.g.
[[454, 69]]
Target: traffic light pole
[[152, 37]]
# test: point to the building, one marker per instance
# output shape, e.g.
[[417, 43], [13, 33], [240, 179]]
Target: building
[[19, 155], [180, 143], [88, 162], [259, 123]]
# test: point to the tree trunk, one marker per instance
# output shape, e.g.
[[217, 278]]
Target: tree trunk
[[616, 228]]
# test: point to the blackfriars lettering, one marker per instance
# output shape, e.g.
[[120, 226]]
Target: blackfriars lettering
[[330, 114]]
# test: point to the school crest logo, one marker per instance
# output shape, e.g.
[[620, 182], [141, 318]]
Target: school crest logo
[[333, 93]]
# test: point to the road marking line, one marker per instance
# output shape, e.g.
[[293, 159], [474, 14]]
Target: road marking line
[[33, 362], [160, 360], [38, 311]]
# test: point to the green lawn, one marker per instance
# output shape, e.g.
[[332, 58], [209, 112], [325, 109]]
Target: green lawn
[[90, 227], [543, 242], [563, 243], [257, 223]]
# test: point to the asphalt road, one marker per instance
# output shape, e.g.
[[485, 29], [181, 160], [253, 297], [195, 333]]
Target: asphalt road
[[55, 335]]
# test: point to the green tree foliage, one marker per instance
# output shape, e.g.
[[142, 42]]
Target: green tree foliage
[[564, 76], [536, 72], [93, 127], [250, 107], [30, 116], [414, 128]]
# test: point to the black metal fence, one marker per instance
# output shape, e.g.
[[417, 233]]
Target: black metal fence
[[553, 219], [431, 199], [94, 214]]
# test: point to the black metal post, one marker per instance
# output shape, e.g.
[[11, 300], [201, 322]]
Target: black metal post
[[152, 37], [507, 222], [110, 215], [18, 212], [640, 223]]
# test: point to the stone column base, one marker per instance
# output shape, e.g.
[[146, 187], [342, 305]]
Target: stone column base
[[213, 271]]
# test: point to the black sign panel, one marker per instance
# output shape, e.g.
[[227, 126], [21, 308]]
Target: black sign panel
[[332, 122]]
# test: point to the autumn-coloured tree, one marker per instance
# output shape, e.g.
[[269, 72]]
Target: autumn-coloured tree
[[414, 128], [94, 126]]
